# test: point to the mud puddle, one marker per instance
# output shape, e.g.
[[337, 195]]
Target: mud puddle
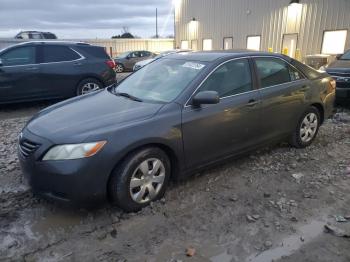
[[203, 253], [57, 221], [289, 245]]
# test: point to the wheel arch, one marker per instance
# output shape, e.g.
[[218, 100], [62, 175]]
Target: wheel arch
[[320, 109], [170, 152], [96, 77]]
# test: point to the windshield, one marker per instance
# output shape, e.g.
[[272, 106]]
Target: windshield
[[161, 81], [346, 56]]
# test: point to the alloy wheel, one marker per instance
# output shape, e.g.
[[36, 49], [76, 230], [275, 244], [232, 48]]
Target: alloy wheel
[[308, 127], [119, 68], [89, 87], [147, 180]]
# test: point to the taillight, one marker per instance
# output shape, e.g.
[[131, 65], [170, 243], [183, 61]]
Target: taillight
[[333, 85], [110, 63]]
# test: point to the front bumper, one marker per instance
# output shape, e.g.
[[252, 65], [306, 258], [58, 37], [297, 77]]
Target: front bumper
[[81, 182], [342, 94]]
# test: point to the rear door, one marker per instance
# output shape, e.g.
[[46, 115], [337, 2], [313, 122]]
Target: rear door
[[217, 131], [283, 89], [19, 73], [60, 70]]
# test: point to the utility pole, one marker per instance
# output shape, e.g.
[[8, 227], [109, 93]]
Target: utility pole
[[174, 6], [157, 36]]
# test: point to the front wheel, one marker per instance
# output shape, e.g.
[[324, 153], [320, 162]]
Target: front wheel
[[140, 179], [307, 128]]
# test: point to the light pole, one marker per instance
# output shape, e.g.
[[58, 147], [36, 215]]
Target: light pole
[[157, 36], [175, 5]]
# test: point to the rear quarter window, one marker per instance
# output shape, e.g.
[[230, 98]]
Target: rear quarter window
[[308, 71], [53, 53], [94, 51]]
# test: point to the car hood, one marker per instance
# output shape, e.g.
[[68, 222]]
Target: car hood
[[339, 65], [144, 62], [75, 119]]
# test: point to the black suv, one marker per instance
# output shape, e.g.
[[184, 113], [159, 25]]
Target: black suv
[[50, 70], [340, 71], [35, 35]]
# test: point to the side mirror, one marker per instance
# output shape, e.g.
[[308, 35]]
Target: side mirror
[[206, 98], [1, 64], [339, 56]]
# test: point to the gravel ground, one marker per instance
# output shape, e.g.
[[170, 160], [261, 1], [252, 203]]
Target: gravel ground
[[272, 205]]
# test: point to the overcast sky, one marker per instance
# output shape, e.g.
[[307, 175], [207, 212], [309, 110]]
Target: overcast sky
[[86, 18]]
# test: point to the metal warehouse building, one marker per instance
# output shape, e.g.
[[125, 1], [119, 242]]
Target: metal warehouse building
[[297, 28]]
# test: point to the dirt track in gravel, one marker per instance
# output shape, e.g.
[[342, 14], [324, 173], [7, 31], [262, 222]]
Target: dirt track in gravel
[[272, 204]]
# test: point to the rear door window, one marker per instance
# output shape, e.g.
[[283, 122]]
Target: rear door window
[[19, 56], [135, 54], [53, 53], [272, 71], [232, 78], [35, 36], [295, 74]]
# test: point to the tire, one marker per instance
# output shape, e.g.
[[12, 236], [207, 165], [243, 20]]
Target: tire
[[88, 85], [307, 128], [132, 197], [119, 68]]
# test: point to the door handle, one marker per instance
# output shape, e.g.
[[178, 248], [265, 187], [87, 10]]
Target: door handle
[[252, 102], [77, 64]]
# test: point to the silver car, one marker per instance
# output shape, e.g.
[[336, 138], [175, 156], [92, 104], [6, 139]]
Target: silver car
[[141, 64]]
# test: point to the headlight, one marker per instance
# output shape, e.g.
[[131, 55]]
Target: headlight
[[74, 151]]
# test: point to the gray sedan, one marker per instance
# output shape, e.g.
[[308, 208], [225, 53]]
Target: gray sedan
[[127, 60], [171, 118]]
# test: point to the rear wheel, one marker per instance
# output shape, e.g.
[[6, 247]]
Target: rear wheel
[[307, 128], [119, 68], [88, 85], [140, 179]]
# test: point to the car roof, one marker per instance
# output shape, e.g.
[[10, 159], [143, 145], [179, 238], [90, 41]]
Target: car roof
[[210, 56], [52, 42], [35, 32]]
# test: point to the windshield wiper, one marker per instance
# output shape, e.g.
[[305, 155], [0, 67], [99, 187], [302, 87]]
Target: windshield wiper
[[128, 96]]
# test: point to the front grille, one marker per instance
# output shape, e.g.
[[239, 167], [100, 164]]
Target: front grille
[[343, 79], [339, 74], [343, 84], [27, 147]]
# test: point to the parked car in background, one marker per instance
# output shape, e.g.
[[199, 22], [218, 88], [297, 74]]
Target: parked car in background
[[141, 64], [340, 71], [127, 60], [171, 118], [50, 70], [35, 35]]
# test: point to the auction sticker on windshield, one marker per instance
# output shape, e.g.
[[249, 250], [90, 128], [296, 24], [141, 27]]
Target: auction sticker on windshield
[[196, 66]]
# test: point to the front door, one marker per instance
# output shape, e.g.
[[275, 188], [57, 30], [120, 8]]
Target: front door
[[216, 131], [19, 74]]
